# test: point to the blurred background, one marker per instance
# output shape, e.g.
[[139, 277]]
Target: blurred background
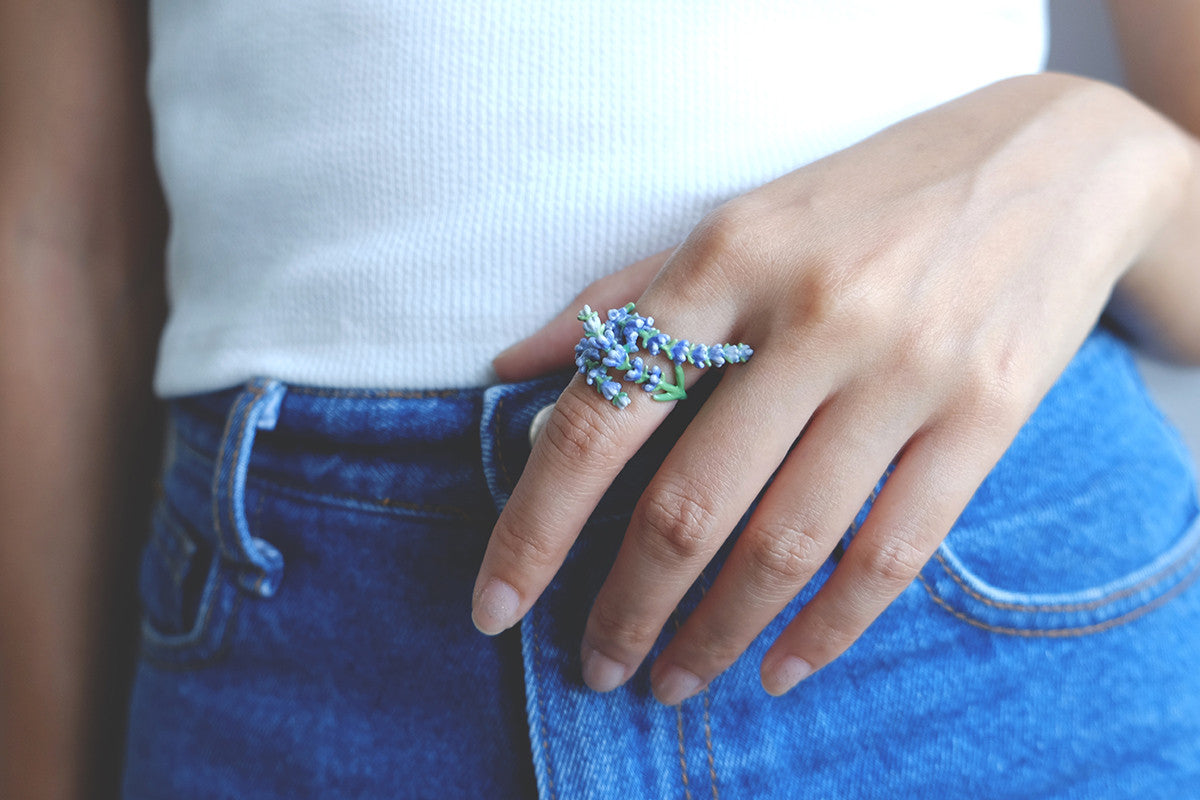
[[1082, 42]]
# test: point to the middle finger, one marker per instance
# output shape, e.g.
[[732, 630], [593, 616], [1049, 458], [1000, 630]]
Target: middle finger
[[812, 501], [702, 489]]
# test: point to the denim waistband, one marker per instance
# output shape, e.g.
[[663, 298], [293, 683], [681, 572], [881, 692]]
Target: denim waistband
[[454, 454], [425, 451]]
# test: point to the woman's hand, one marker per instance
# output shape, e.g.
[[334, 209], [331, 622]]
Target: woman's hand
[[910, 300]]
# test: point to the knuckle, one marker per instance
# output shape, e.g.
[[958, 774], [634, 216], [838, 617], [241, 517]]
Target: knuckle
[[834, 304], [519, 545], [922, 357], [676, 522], [620, 634], [993, 392], [576, 431], [782, 555], [893, 565], [725, 228], [830, 636], [989, 400], [712, 650], [724, 243]]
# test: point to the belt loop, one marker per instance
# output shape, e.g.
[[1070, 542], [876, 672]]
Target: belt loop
[[255, 408]]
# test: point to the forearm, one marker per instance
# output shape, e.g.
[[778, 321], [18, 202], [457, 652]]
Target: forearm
[[72, 419], [80, 305], [1158, 300]]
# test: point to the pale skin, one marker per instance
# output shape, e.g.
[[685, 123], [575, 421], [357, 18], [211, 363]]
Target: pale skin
[[910, 300]]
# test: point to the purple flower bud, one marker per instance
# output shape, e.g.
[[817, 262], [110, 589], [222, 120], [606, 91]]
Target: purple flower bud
[[656, 343], [616, 357], [638, 371], [700, 356], [609, 389], [617, 316], [653, 378], [716, 355], [680, 351], [621, 400]]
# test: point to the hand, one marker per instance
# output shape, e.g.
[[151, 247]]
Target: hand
[[910, 300]]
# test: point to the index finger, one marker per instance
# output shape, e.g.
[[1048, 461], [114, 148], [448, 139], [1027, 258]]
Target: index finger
[[584, 445]]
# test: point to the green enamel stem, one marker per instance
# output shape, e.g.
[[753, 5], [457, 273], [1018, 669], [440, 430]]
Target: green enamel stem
[[671, 391]]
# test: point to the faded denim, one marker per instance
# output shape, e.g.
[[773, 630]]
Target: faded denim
[[306, 630]]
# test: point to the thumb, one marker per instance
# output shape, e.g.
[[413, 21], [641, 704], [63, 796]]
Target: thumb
[[553, 347]]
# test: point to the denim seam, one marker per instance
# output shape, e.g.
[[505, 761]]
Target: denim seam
[[1081, 630], [379, 503], [176, 531], [173, 645], [687, 792], [1120, 594], [189, 664], [537, 649], [683, 771], [705, 584], [413, 394], [708, 743]]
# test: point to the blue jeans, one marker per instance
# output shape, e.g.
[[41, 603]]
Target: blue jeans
[[306, 633]]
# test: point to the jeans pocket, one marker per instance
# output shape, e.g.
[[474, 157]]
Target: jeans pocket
[[188, 600], [1088, 521], [956, 585]]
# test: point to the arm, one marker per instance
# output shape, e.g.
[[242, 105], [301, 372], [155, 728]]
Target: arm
[[81, 228], [1158, 299]]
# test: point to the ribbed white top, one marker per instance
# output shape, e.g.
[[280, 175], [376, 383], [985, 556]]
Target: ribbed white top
[[386, 193]]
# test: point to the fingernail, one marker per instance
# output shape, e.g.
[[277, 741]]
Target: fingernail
[[600, 672], [539, 422], [785, 674], [676, 685], [496, 607]]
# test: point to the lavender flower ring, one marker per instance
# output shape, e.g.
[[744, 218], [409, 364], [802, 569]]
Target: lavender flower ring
[[610, 343]]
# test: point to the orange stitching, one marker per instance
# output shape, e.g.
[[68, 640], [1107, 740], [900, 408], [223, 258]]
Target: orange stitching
[[537, 649], [1063, 607], [687, 792], [708, 742], [414, 394], [1067, 632], [712, 766]]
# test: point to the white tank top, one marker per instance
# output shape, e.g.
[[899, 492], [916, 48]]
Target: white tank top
[[386, 193]]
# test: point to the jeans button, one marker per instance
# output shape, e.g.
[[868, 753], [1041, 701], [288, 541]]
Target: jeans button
[[539, 422]]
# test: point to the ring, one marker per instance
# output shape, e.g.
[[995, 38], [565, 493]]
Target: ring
[[611, 343]]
